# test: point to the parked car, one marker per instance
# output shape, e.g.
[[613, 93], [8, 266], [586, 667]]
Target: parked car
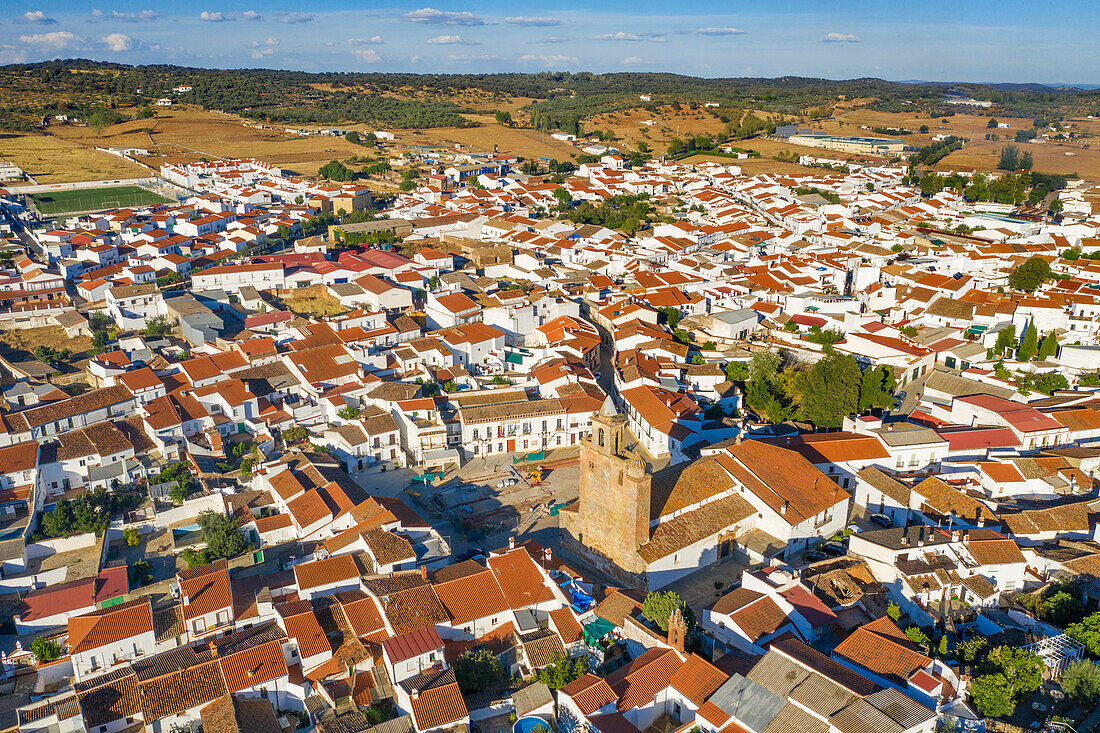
[[882, 520], [834, 548], [814, 556]]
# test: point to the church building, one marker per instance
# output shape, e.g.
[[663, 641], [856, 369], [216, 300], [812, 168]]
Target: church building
[[751, 500]]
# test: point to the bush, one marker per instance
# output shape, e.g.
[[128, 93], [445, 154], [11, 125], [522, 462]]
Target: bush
[[222, 534], [479, 670], [1081, 681], [562, 671], [132, 537], [45, 650], [295, 434], [142, 573]]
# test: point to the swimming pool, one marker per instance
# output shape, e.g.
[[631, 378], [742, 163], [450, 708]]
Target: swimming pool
[[529, 724]]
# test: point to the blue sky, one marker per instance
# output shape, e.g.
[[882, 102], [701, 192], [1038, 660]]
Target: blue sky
[[979, 40]]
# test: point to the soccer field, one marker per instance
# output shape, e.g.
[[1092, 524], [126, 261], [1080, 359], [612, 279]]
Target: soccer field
[[94, 199]]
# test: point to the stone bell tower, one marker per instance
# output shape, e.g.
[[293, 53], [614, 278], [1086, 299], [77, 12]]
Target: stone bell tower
[[614, 492]]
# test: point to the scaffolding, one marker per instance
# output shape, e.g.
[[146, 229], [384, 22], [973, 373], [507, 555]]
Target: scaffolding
[[1056, 652]]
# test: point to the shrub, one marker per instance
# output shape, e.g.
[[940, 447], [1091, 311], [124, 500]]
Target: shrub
[[132, 537], [45, 650]]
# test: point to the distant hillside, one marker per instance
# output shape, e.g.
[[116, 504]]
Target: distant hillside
[[78, 86]]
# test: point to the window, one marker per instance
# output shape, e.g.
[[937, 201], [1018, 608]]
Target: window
[[199, 625], [493, 621], [223, 618]]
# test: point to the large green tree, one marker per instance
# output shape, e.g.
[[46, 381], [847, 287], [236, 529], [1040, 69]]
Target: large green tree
[[659, 605], [222, 534], [479, 670], [1087, 631], [876, 388], [1081, 680], [1029, 275], [830, 390]]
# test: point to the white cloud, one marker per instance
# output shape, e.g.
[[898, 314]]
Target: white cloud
[[840, 38], [142, 16], [297, 17], [216, 16], [531, 21], [443, 17], [118, 42], [451, 40], [372, 41], [367, 55], [251, 15], [264, 52], [551, 59], [268, 42], [11, 55], [720, 31], [631, 60], [38, 18], [622, 36], [53, 39]]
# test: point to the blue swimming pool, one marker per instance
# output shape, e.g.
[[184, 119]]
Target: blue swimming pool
[[529, 723]]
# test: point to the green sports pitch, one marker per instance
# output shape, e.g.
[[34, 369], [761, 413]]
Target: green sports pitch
[[94, 199]]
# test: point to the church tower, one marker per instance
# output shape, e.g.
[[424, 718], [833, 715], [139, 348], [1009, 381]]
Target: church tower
[[614, 492]]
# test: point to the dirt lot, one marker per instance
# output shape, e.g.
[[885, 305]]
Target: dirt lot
[[669, 123], [52, 160], [52, 336], [312, 301]]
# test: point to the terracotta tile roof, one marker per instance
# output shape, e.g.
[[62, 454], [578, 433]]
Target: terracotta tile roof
[[619, 604], [781, 477], [303, 628], [520, 579], [437, 700], [882, 648], [309, 508], [183, 689], [388, 548], [639, 680], [690, 527], [413, 609], [254, 666], [568, 628], [887, 484], [108, 698], [759, 618], [335, 569], [472, 596], [697, 679], [361, 612], [110, 625], [205, 589], [996, 552], [944, 500], [542, 647], [168, 622], [590, 693]]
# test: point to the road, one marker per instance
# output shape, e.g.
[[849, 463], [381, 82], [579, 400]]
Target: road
[[20, 231]]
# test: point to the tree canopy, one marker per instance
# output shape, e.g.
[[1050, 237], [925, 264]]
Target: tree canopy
[[480, 670], [1029, 275], [659, 605]]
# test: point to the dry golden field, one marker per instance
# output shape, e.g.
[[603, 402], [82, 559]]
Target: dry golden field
[[52, 160]]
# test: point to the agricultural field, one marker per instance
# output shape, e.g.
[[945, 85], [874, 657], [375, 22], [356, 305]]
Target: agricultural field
[[181, 134], [522, 141], [49, 159], [94, 199]]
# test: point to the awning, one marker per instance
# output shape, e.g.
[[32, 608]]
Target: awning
[[514, 358], [596, 630]]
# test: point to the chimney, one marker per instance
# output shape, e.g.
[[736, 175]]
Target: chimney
[[978, 514], [424, 572], [966, 537], [783, 509], [889, 427], [546, 557], [677, 629]]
